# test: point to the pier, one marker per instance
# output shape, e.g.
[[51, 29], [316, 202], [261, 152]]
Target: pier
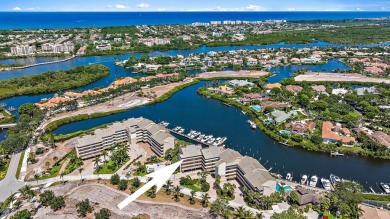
[[38, 64], [7, 126], [193, 139]]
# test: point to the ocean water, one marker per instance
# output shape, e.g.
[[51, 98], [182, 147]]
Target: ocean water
[[29, 20]]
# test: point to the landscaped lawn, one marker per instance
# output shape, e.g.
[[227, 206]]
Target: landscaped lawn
[[110, 167], [54, 171], [193, 187], [3, 170]]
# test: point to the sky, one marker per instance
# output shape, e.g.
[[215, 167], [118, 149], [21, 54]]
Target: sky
[[198, 5]]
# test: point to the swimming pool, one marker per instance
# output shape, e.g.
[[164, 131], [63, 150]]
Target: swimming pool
[[256, 108], [285, 132], [286, 187]]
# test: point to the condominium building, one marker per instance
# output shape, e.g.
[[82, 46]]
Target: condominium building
[[133, 130], [247, 171], [23, 50], [58, 48], [229, 164], [195, 157]]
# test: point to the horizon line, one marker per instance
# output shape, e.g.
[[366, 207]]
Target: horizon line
[[189, 11]]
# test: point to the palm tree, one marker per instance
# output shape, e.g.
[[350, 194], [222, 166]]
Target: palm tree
[[192, 197], [81, 171], [62, 174], [55, 158], [240, 212], [36, 177], [168, 187], [247, 214], [105, 154], [259, 215], [96, 162], [176, 194], [205, 199], [152, 192]]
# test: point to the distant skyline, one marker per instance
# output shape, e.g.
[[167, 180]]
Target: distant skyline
[[199, 5]]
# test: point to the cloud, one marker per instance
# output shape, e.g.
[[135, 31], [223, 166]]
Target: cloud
[[254, 8], [32, 9], [143, 5], [161, 9], [119, 6], [291, 9], [16, 9]]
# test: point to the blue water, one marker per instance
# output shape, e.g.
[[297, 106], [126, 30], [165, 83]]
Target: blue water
[[191, 111], [30, 20]]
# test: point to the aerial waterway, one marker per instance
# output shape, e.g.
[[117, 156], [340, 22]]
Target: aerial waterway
[[191, 111]]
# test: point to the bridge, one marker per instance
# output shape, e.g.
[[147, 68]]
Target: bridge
[[7, 126]]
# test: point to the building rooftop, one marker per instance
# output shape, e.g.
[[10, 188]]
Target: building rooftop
[[211, 152], [190, 151]]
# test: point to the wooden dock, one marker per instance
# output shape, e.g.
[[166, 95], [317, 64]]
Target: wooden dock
[[193, 139]]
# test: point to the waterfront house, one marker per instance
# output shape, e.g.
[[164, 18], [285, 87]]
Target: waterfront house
[[335, 133], [281, 116], [273, 104], [252, 61], [252, 96], [294, 88], [339, 91], [221, 89], [365, 90], [270, 86], [301, 127], [320, 89], [240, 83], [382, 138]]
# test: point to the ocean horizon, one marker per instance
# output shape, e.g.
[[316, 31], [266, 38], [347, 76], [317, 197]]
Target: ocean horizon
[[37, 20]]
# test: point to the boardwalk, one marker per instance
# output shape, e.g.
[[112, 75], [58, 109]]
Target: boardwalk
[[8, 125]]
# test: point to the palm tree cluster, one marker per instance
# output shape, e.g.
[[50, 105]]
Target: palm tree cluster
[[119, 154]]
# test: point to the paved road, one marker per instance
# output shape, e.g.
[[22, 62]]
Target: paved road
[[10, 184]]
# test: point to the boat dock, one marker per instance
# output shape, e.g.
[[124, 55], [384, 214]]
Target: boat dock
[[206, 143], [336, 154]]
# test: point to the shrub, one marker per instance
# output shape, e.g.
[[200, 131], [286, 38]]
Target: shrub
[[115, 179], [122, 185], [104, 213], [205, 187], [84, 207]]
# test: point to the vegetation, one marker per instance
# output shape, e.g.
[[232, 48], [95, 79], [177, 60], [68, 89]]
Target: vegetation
[[18, 137], [118, 159], [24, 214], [198, 185], [104, 213], [84, 207], [47, 198], [50, 82], [114, 180], [289, 214]]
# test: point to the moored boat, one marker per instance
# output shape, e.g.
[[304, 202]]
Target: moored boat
[[325, 184], [313, 181], [334, 180], [385, 187], [289, 177], [304, 180]]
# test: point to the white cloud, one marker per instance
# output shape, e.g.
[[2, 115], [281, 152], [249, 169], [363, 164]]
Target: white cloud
[[291, 9], [119, 6], [161, 9], [16, 9], [143, 5], [32, 9], [254, 8]]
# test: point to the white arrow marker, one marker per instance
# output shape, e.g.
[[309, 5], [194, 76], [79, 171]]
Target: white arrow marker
[[160, 177]]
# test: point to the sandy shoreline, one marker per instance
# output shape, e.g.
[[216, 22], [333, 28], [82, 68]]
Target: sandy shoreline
[[347, 77]]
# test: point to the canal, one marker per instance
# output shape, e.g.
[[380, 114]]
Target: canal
[[191, 111]]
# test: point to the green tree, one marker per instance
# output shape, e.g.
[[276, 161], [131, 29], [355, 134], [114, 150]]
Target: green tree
[[192, 197], [151, 193], [114, 179], [25, 214], [205, 199], [104, 213], [57, 203], [289, 214], [27, 109], [45, 197], [346, 199], [122, 185], [84, 207]]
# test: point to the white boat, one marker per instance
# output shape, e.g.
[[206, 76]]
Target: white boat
[[304, 180], [313, 181], [211, 141], [177, 128], [385, 187], [252, 124], [206, 138], [180, 131], [289, 177], [325, 184], [201, 136], [334, 180]]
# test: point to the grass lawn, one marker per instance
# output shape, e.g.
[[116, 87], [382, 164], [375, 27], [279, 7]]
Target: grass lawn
[[138, 173], [110, 167], [193, 187], [20, 164], [53, 172], [3, 170]]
